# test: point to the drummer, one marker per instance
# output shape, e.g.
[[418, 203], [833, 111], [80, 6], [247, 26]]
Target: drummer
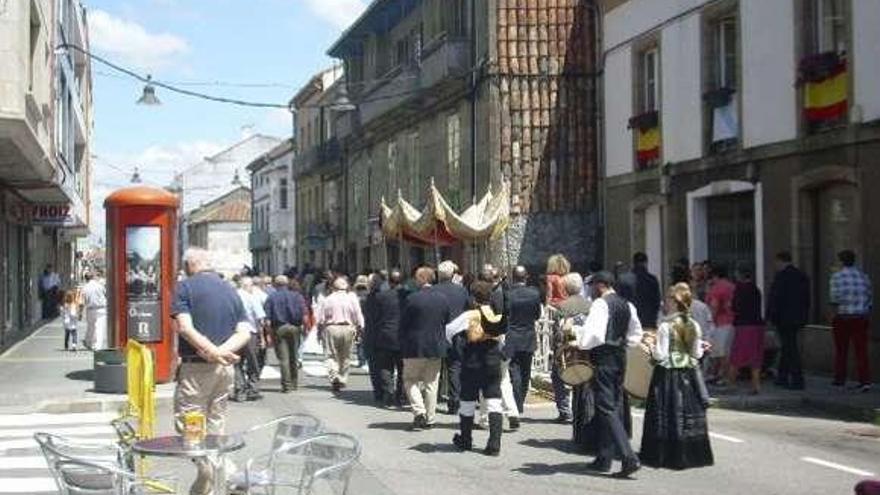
[[572, 308], [611, 326]]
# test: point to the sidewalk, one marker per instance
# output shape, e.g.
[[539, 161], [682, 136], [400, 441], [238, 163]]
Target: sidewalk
[[37, 374], [818, 399]]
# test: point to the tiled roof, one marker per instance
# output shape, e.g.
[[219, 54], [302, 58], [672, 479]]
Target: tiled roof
[[233, 207]]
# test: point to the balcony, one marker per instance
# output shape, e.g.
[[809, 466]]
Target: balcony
[[444, 59], [259, 240], [325, 156]]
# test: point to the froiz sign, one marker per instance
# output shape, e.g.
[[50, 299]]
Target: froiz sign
[[50, 213]]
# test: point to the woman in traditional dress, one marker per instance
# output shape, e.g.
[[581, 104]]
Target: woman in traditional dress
[[676, 434]]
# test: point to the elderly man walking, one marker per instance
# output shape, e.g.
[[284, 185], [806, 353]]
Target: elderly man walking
[[458, 299], [423, 346], [339, 318], [285, 310], [212, 326], [94, 298], [247, 371]]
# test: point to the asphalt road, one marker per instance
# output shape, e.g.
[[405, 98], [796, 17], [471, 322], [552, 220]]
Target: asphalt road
[[755, 453]]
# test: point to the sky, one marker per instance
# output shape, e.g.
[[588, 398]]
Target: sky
[[255, 50]]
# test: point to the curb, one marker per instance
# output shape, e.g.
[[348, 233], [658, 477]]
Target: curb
[[767, 404]]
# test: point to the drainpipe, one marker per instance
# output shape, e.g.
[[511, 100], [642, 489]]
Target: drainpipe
[[473, 97], [599, 133]]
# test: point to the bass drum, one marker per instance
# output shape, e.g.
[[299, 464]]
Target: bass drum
[[575, 367], [639, 368]]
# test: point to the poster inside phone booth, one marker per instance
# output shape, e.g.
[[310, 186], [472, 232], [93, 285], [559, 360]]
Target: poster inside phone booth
[[142, 239]]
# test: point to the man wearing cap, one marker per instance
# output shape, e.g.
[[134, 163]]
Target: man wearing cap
[[611, 326], [285, 310], [339, 318]]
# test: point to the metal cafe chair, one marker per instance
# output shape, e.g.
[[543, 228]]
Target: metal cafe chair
[[321, 464], [81, 468], [288, 428], [81, 477]]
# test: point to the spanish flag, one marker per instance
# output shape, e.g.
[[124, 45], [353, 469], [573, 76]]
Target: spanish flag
[[648, 145], [826, 99]]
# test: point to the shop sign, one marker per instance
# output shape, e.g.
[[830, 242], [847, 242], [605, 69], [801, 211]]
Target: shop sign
[[51, 214]]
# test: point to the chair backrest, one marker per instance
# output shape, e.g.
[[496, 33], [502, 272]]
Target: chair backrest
[[295, 427], [326, 459], [59, 450]]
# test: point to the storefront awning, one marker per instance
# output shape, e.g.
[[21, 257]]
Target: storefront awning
[[438, 224]]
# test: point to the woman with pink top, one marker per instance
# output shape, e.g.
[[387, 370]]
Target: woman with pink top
[[719, 297]]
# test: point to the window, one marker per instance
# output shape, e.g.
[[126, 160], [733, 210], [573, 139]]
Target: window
[[282, 194], [725, 58], [456, 17], [453, 151], [34, 42], [828, 21], [649, 87], [392, 170], [721, 122], [412, 157]]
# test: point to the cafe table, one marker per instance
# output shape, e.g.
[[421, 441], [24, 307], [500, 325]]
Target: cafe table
[[212, 449]]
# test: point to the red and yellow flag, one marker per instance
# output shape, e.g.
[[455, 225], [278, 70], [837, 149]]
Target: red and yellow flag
[[648, 145], [827, 99]]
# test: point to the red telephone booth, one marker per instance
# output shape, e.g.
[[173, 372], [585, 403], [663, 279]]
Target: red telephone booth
[[142, 238]]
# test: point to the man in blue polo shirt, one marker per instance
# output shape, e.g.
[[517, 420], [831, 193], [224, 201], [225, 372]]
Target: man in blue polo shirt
[[212, 325]]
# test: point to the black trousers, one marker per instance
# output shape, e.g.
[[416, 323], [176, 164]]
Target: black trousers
[[520, 368], [610, 368], [247, 370], [386, 374], [485, 379], [790, 367], [453, 369]]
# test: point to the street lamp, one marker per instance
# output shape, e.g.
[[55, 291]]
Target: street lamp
[[149, 97], [136, 177]]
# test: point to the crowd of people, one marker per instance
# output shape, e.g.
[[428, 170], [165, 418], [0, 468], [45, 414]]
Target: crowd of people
[[442, 335]]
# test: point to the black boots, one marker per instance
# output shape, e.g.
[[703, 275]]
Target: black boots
[[496, 426], [465, 439]]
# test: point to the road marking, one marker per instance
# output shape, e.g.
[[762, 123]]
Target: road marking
[[28, 485], [25, 462], [839, 467], [45, 419], [726, 438], [71, 431], [64, 357]]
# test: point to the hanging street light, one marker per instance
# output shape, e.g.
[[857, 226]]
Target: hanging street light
[[149, 96], [136, 177]]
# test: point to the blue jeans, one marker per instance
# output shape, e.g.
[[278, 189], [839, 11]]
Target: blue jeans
[[560, 392]]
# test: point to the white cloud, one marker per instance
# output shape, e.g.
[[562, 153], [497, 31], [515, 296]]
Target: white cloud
[[339, 13], [157, 165], [130, 43]]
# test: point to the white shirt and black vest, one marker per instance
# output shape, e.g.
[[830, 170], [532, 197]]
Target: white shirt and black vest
[[612, 323]]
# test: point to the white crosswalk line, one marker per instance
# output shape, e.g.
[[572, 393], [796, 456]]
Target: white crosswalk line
[[44, 419], [839, 467], [22, 467], [28, 485], [726, 438], [70, 431]]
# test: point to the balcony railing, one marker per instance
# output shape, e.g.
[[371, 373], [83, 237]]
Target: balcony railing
[[327, 154], [259, 240]]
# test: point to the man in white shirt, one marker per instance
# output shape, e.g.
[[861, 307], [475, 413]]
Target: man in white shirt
[[94, 298], [247, 370], [611, 326]]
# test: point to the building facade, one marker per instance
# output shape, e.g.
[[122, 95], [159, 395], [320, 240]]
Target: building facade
[[216, 176], [46, 127], [273, 228], [318, 173], [468, 95], [222, 226], [738, 129]]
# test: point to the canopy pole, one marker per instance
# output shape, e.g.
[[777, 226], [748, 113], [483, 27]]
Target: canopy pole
[[436, 249]]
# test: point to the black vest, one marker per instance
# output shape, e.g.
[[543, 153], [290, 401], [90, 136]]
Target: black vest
[[618, 320]]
